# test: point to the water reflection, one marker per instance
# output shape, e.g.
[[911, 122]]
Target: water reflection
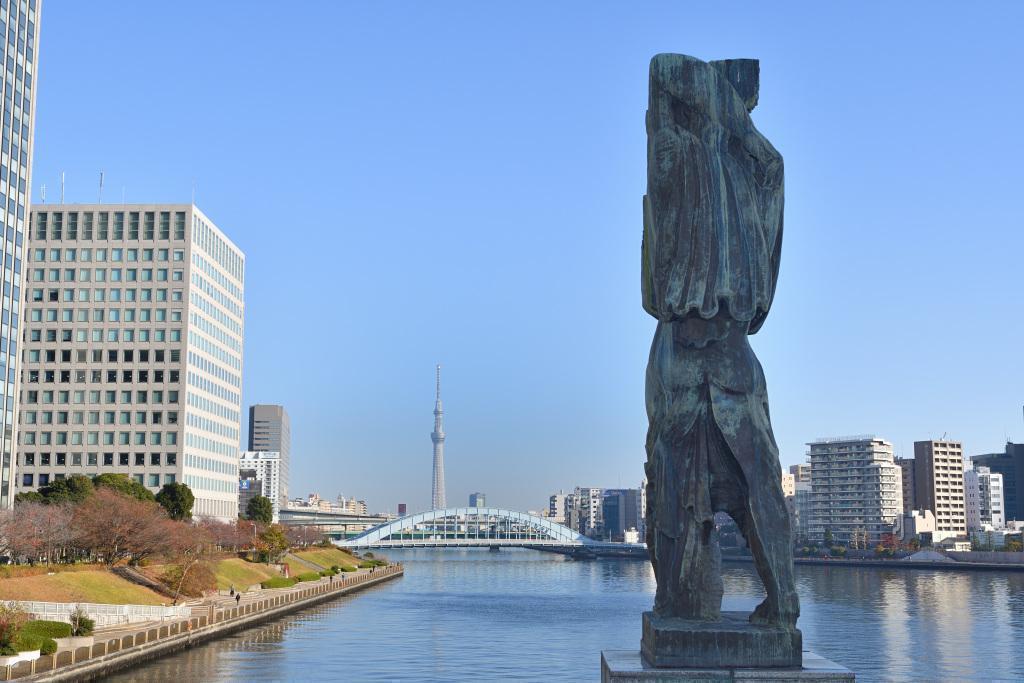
[[522, 615]]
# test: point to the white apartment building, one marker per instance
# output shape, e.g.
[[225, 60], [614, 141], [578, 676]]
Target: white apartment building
[[266, 468], [270, 430], [589, 505], [855, 488], [983, 490], [20, 58], [132, 350]]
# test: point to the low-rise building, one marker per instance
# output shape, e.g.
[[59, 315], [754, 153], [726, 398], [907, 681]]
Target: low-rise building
[[919, 524]]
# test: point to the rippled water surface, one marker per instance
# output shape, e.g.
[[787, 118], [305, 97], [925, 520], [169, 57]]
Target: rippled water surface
[[530, 616]]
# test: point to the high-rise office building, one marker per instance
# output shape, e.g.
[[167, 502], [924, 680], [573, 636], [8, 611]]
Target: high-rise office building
[[1010, 464], [620, 512], [908, 483], [983, 490], [270, 429], [939, 485], [21, 21], [132, 351], [477, 500], [855, 489], [266, 468]]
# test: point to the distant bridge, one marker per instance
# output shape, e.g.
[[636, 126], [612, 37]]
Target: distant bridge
[[334, 524], [486, 528]]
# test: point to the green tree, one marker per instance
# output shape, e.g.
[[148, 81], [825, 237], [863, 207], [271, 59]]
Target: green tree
[[260, 509], [29, 497], [123, 484], [828, 537], [177, 499], [73, 489], [273, 542]]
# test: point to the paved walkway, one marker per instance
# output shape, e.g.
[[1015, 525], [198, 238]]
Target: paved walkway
[[201, 606]]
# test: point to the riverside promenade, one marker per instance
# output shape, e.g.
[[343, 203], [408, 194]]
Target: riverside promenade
[[209, 620]]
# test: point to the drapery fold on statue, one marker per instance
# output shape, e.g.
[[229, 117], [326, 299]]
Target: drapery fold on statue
[[703, 251]]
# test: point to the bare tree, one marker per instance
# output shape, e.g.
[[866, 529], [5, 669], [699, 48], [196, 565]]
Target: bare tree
[[116, 527]]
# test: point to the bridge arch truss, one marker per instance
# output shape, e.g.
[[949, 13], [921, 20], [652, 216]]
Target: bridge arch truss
[[469, 526]]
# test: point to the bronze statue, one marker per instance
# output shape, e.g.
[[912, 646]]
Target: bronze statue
[[712, 236]]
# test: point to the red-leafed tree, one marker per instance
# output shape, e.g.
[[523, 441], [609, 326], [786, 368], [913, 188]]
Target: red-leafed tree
[[115, 527]]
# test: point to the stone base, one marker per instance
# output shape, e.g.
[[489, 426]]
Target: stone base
[[731, 642], [628, 666]]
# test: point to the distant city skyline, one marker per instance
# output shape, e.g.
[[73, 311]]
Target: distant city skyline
[[471, 192]]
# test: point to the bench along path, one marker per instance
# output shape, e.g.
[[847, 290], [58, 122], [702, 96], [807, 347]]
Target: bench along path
[[209, 620]]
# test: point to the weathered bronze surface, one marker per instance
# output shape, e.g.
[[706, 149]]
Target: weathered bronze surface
[[712, 236]]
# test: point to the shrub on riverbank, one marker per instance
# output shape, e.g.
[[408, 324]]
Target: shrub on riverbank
[[81, 624], [26, 642], [347, 568], [308, 576], [47, 629], [279, 582]]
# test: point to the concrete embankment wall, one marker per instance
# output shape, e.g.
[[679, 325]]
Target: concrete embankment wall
[[989, 557], [103, 658], [893, 564]]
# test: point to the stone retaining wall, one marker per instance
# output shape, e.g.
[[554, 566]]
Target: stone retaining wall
[[85, 663]]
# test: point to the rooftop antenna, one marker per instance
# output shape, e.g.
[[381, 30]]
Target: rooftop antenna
[[42, 193], [193, 192], [99, 197], [62, 187], [122, 194]]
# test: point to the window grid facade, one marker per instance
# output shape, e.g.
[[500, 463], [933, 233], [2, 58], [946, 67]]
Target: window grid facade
[[132, 350], [939, 485], [19, 26], [855, 489]]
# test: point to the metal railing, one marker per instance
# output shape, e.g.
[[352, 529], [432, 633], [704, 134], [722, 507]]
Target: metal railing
[[103, 615]]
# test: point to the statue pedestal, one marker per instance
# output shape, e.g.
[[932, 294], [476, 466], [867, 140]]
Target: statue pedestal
[[628, 666], [730, 642]]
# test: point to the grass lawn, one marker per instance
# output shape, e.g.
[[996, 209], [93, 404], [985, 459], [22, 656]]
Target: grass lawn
[[80, 586], [326, 558], [241, 574]]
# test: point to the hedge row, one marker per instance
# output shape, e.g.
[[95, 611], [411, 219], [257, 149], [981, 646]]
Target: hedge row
[[47, 629]]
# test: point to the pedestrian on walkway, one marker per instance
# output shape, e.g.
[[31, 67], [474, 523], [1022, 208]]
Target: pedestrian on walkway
[[232, 589], [238, 598]]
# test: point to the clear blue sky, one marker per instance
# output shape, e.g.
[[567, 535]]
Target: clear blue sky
[[460, 183]]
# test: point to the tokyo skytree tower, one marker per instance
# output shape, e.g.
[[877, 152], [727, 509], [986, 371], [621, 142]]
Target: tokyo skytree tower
[[437, 499]]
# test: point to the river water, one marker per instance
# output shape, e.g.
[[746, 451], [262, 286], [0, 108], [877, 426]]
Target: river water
[[474, 615]]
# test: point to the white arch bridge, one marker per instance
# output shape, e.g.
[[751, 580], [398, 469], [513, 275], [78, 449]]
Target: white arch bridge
[[488, 528]]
